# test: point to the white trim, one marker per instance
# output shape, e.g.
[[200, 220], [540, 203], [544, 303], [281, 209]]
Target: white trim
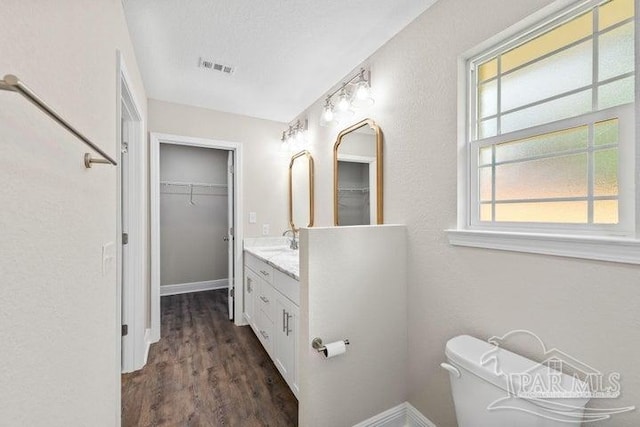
[[596, 248], [154, 161], [132, 303], [184, 288], [147, 340], [403, 415]]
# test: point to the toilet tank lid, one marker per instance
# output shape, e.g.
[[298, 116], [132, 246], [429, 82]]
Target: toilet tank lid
[[508, 370]]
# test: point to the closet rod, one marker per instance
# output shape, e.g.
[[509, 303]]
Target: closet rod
[[13, 84]]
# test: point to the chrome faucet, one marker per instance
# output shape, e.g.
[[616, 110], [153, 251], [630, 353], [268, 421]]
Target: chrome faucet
[[294, 240]]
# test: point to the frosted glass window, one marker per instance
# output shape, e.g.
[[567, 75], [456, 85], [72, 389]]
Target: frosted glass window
[[615, 56], [613, 12], [552, 212], [551, 77], [606, 132], [488, 128], [550, 143], [565, 71], [553, 177], [488, 99], [561, 36], [550, 112], [488, 70], [485, 212], [605, 212], [563, 108], [486, 184], [606, 172], [616, 93]]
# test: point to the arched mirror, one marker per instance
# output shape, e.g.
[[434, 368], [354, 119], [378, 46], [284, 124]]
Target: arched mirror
[[301, 198], [357, 175]]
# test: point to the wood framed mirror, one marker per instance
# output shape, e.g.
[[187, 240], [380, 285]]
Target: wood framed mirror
[[357, 175], [301, 190]]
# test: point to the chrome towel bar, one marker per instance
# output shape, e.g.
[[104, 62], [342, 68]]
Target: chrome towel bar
[[13, 84]]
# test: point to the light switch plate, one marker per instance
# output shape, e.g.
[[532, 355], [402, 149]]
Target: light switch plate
[[265, 229], [253, 218]]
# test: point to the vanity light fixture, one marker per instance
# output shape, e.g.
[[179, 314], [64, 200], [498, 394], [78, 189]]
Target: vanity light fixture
[[353, 93], [294, 138], [362, 94], [327, 111]]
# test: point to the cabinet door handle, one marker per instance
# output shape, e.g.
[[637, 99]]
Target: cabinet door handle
[[264, 299], [264, 273], [284, 328], [249, 289], [288, 318]]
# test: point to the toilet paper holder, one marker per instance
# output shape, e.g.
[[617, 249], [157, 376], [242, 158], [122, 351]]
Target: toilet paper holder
[[317, 344]]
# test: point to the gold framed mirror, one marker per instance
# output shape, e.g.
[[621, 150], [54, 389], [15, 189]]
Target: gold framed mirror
[[301, 190], [357, 175]]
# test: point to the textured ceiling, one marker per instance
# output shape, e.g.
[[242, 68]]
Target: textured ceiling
[[287, 53]]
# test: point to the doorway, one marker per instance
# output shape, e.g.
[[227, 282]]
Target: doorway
[[196, 219], [190, 190]]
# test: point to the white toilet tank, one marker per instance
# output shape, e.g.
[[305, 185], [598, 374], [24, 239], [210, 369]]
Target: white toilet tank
[[484, 379]]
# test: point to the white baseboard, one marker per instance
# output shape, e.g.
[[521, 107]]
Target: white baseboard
[[183, 288], [403, 415]]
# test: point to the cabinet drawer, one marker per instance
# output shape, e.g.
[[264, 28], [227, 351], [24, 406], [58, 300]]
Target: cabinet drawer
[[287, 286], [266, 299], [263, 269], [264, 331]]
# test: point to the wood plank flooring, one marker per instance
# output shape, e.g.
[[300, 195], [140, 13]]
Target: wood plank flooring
[[205, 371]]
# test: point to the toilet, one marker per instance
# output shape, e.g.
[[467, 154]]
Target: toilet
[[484, 378]]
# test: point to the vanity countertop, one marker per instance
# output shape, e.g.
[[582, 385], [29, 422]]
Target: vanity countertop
[[275, 251]]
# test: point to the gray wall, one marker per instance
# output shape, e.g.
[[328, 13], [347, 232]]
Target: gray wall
[[586, 308], [191, 236]]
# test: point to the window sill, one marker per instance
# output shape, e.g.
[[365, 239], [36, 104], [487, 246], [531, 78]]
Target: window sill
[[596, 248]]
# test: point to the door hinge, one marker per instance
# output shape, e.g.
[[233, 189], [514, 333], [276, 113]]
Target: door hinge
[[125, 238], [231, 231], [125, 330], [232, 292]]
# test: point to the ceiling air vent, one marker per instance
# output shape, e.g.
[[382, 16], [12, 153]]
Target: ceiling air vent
[[216, 66]]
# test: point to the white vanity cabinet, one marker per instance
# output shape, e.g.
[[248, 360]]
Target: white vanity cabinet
[[271, 307]]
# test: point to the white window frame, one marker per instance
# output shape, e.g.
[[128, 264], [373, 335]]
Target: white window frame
[[606, 243]]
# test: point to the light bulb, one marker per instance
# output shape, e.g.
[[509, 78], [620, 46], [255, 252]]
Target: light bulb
[[362, 95], [343, 103], [327, 115], [363, 92]]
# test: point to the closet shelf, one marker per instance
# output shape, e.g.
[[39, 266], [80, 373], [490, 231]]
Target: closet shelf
[[192, 184], [353, 189], [193, 189]]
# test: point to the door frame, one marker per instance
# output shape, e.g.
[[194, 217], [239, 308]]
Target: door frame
[[133, 355], [161, 138]]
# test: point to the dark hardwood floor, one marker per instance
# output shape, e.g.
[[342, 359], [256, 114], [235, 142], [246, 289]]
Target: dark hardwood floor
[[205, 371]]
